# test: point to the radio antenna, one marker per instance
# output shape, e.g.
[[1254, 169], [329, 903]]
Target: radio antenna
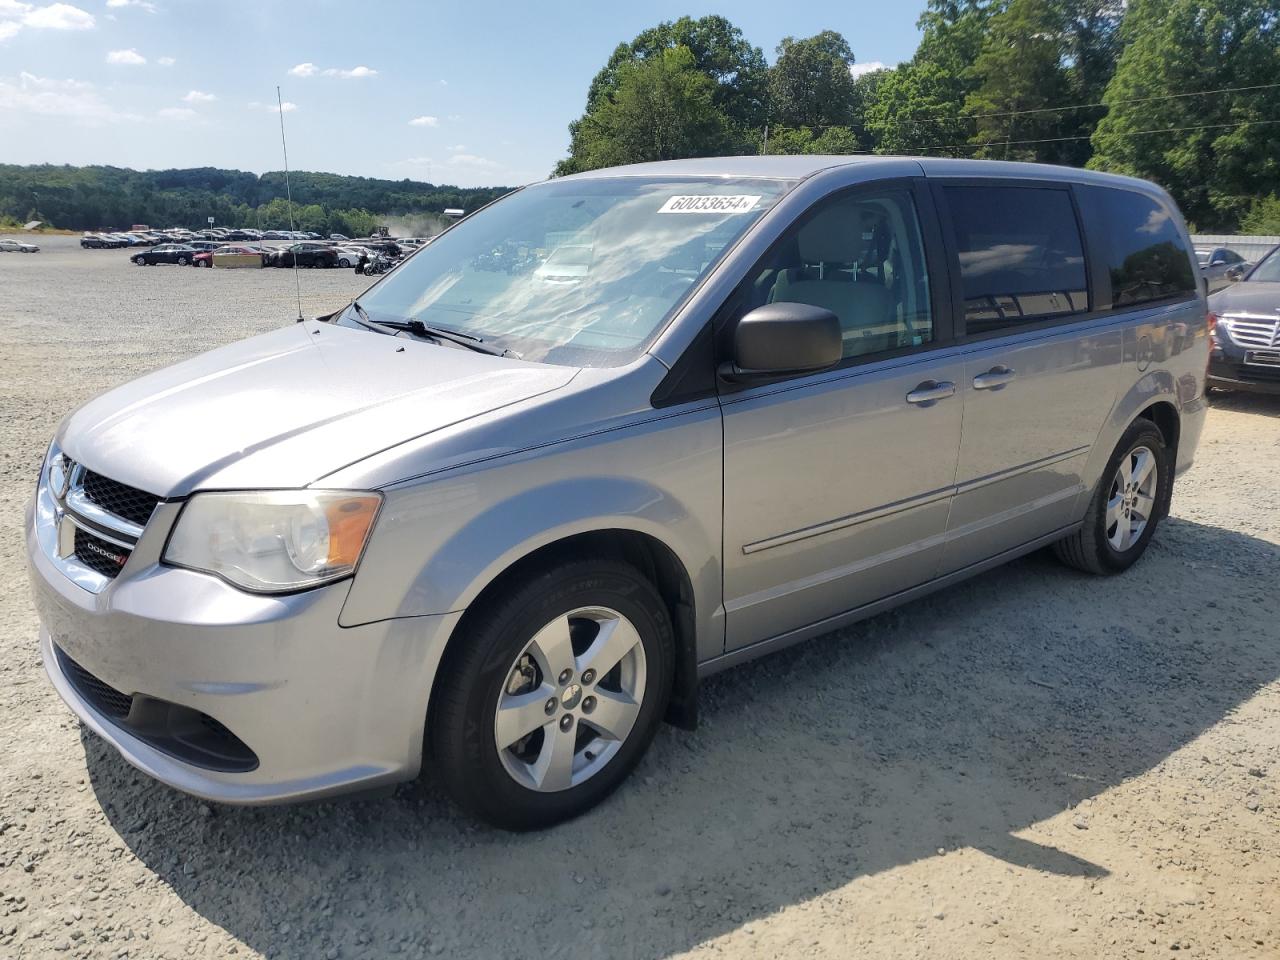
[[284, 146]]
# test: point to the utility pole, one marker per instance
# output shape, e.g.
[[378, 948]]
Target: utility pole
[[765, 149]]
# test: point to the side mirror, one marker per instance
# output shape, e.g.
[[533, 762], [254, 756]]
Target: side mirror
[[1235, 273], [783, 339]]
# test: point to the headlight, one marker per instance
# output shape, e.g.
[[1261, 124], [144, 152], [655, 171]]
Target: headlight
[[274, 541], [56, 470]]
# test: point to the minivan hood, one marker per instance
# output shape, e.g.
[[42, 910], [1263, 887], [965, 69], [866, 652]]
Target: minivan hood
[[286, 408], [1249, 296]]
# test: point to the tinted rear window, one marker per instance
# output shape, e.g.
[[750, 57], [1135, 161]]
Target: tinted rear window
[[1021, 257], [1144, 250]]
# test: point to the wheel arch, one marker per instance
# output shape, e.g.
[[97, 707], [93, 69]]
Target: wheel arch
[[651, 557], [1154, 398], [1165, 416]]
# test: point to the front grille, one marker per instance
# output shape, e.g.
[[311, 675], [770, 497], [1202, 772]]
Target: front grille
[[99, 555], [102, 697], [125, 501], [1253, 332]]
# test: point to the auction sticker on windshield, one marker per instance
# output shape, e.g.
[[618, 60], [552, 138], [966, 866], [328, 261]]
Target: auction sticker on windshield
[[710, 203]]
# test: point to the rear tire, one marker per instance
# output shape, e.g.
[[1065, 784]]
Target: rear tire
[[1128, 504], [574, 608]]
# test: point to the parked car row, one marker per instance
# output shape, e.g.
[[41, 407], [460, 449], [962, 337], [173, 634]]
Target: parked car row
[[152, 238], [324, 254]]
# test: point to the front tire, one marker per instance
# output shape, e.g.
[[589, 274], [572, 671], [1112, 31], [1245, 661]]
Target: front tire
[[1129, 502], [553, 694]]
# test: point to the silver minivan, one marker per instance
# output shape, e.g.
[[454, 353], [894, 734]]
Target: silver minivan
[[609, 435]]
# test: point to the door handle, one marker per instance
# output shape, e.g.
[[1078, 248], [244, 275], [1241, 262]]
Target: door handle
[[994, 379], [931, 391]]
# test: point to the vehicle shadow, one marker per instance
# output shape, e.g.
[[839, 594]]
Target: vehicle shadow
[[955, 722], [1262, 404]]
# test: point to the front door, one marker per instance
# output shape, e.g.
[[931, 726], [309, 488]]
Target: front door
[[837, 485]]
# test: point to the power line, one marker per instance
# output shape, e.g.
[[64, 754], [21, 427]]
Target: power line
[[1131, 133], [1085, 106], [940, 118]]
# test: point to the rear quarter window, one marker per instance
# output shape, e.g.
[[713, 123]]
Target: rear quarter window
[[1138, 236]]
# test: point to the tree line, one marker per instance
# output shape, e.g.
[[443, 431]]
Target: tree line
[[113, 198], [1182, 92]]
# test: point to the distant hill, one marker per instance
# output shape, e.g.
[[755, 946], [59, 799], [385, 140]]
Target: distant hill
[[94, 198]]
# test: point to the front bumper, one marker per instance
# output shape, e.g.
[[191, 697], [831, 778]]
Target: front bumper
[[324, 709], [1229, 371]]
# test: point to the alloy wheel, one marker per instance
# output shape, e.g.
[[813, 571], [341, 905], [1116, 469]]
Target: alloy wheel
[[1132, 500], [570, 699]]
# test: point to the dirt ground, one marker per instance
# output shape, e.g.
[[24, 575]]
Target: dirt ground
[[1033, 764]]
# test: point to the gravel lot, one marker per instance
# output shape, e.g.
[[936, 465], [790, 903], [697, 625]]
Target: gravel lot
[[1034, 764]]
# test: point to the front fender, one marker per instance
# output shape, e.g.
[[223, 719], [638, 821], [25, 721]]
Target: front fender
[[441, 541]]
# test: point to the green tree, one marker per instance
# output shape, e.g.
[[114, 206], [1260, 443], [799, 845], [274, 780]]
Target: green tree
[[1219, 155], [662, 108], [719, 50], [917, 108], [810, 84], [1263, 217], [1019, 73], [807, 140]]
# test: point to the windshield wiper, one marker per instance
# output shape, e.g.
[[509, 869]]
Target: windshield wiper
[[420, 329], [362, 318]]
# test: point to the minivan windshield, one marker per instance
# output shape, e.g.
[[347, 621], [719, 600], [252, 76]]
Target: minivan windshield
[[1268, 271], [575, 272]]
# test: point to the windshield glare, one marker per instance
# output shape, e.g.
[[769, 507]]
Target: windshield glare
[[576, 272], [1268, 271]]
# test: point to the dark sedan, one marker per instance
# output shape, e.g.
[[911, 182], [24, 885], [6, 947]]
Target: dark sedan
[[177, 253], [1245, 319], [306, 255]]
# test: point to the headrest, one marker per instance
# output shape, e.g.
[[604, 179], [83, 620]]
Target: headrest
[[833, 236]]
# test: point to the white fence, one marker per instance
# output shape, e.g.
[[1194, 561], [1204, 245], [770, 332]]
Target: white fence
[[1251, 248]]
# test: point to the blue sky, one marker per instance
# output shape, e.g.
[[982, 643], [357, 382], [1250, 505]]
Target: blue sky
[[468, 93]]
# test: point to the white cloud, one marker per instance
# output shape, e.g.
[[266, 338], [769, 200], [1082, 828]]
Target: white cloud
[[871, 66], [140, 4], [45, 97], [177, 113], [166, 61], [355, 73], [425, 121], [285, 107], [198, 96], [458, 160], [458, 147], [309, 69], [126, 58], [14, 15], [471, 160]]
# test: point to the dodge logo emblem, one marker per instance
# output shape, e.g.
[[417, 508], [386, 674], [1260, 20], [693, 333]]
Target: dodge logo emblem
[[116, 558]]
